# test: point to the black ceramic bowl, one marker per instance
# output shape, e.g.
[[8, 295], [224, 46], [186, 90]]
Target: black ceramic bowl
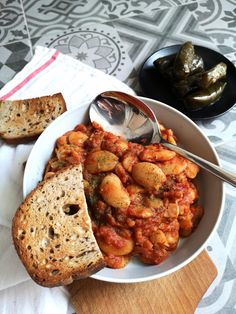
[[154, 86]]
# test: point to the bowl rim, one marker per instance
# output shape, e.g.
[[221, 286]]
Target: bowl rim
[[97, 275]]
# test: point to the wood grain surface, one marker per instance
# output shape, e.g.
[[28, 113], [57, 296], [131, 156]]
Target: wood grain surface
[[178, 293]]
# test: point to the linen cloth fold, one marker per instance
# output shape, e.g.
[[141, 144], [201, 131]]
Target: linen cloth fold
[[47, 73]]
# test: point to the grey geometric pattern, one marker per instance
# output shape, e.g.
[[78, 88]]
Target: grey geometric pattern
[[150, 32], [116, 36], [120, 8], [96, 45], [145, 33], [219, 292], [232, 57], [218, 20], [14, 57], [12, 24], [227, 129], [56, 15], [227, 220]]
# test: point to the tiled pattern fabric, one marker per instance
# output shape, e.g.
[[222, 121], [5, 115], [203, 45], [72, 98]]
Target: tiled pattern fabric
[[120, 8], [146, 33], [48, 17], [12, 22], [13, 57], [97, 45], [218, 19], [116, 36]]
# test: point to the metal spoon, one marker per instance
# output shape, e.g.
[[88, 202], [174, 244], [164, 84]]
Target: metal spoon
[[126, 115]]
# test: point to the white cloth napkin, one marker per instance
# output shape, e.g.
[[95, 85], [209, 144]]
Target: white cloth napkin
[[47, 73]]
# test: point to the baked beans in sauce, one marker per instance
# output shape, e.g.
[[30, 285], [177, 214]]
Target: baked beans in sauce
[[141, 199]]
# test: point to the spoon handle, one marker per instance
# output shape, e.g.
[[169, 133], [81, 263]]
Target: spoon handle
[[216, 170]]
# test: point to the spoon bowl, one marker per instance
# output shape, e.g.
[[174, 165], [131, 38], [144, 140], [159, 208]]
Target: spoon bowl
[[124, 115], [127, 116]]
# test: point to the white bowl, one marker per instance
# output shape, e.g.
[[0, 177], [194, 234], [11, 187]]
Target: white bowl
[[211, 189]]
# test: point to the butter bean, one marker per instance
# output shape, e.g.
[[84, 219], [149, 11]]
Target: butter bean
[[77, 138], [156, 153], [191, 170], [172, 211], [148, 175], [152, 201], [158, 237], [100, 161], [140, 212], [113, 192], [174, 166], [119, 251], [128, 161]]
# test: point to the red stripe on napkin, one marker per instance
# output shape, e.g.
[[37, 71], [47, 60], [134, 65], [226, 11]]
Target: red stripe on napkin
[[31, 76]]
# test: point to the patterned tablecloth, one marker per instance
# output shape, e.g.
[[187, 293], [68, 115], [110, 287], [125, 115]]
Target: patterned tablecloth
[[116, 36]]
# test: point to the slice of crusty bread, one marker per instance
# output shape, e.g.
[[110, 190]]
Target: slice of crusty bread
[[52, 231], [24, 120]]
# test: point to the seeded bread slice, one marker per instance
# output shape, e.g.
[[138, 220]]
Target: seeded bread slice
[[52, 231], [24, 120]]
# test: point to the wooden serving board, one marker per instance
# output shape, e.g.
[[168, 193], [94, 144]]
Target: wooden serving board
[[177, 293]]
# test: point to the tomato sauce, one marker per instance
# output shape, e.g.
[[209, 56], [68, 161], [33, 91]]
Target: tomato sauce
[[130, 217]]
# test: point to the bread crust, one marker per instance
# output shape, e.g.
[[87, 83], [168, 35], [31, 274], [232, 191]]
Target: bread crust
[[22, 121], [56, 247]]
